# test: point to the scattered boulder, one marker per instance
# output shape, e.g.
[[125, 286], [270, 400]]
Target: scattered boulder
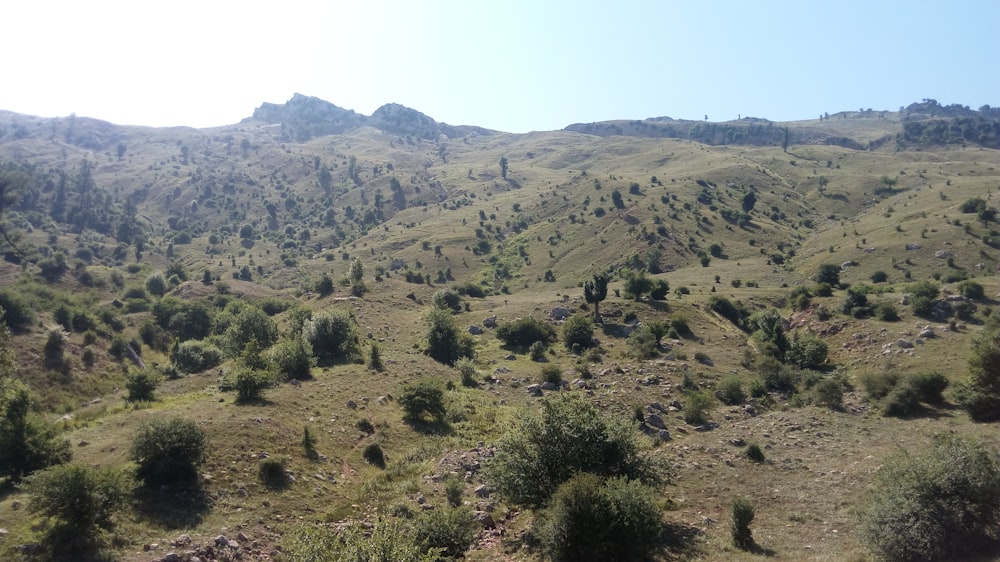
[[664, 435], [903, 343], [942, 254], [927, 332], [848, 264], [654, 420], [534, 389], [913, 246], [475, 330], [484, 519], [490, 322]]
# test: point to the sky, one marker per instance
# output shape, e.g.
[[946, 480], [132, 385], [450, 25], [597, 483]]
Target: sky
[[515, 65]]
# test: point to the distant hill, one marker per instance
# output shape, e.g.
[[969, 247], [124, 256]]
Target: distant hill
[[305, 117]]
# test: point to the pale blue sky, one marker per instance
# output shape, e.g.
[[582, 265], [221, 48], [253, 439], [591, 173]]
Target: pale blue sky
[[513, 65]]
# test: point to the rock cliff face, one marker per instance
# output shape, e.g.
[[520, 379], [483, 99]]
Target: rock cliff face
[[305, 117]]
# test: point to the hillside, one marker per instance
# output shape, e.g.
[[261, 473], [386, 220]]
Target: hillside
[[130, 240]]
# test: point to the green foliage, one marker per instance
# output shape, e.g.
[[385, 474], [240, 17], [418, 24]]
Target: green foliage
[[929, 386], [942, 503], [739, 523], [449, 531], [271, 473], [886, 312], [679, 325], [552, 374], [754, 453], [81, 502], [658, 290], [636, 284], [980, 394], [250, 384], [973, 205], [807, 351], [141, 385], [971, 290], [332, 335], [697, 407], [722, 306], [309, 444], [445, 342], [292, 358], [168, 451], [591, 520], [324, 287], [185, 320], [828, 273], [569, 436], [447, 299], [644, 343], [373, 454], [17, 313], [766, 328], [525, 331], [595, 291], [467, 371], [879, 277], [27, 442], [156, 284], [537, 350], [578, 330], [730, 391], [391, 540], [250, 323], [829, 393], [55, 344], [195, 356], [421, 400]]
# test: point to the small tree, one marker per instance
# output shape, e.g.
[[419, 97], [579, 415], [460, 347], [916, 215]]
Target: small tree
[[503, 167], [141, 385], [980, 395], [423, 400], [80, 502], [828, 273], [578, 332], [156, 284], [445, 343], [595, 291], [742, 515], [27, 442], [332, 335], [168, 451]]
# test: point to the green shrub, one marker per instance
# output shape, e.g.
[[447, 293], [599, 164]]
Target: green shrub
[[195, 356], [807, 351], [644, 343], [742, 516], [774, 376], [467, 371], [141, 385], [879, 277], [578, 330], [569, 436], [524, 332], [292, 358], [454, 488], [250, 323], [942, 503], [886, 312], [82, 502], [168, 451], [373, 455], [929, 386], [27, 441], [445, 342], [754, 453], [449, 531], [980, 395], [55, 345], [679, 323], [697, 407], [727, 309], [730, 391], [537, 351], [250, 384], [156, 284], [391, 540], [877, 385], [902, 401], [17, 313], [375, 357], [447, 299], [271, 473], [309, 444], [829, 393], [421, 400], [552, 374], [591, 520], [971, 290], [823, 290]]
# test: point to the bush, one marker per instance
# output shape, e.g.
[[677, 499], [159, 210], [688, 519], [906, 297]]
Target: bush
[[17, 313], [82, 500], [877, 385], [250, 384], [754, 453], [391, 540], [467, 371], [445, 343], [730, 391], [271, 473], [901, 401], [168, 451], [807, 351], [552, 374], [537, 351], [886, 312], [942, 503], [929, 386], [523, 332], [195, 356], [27, 441], [697, 407], [309, 444], [578, 330], [156, 284], [55, 345], [879, 277], [725, 308], [829, 393], [742, 515], [447, 299], [422, 400], [569, 436], [375, 357], [644, 343], [250, 323], [679, 323], [292, 358], [141, 385], [449, 531], [332, 335], [454, 488], [971, 290], [980, 395], [373, 455], [601, 521]]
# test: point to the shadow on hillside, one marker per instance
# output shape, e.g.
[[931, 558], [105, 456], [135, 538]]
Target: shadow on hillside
[[681, 541], [430, 427], [178, 508]]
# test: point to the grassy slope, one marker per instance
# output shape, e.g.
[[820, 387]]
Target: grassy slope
[[822, 461]]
